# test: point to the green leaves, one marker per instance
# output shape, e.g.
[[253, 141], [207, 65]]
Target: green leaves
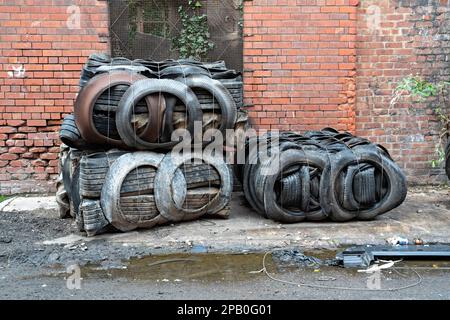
[[418, 87], [440, 153], [422, 89], [193, 40]]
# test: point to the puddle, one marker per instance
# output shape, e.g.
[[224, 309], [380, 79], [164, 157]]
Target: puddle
[[214, 268], [185, 267], [200, 267]]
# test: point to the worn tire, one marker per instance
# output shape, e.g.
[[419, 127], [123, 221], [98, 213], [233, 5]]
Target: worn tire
[[169, 207], [288, 158], [395, 194], [110, 196], [144, 88], [87, 97]]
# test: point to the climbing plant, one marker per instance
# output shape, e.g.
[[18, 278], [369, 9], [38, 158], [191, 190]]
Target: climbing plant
[[241, 20], [132, 15], [194, 38], [422, 89]]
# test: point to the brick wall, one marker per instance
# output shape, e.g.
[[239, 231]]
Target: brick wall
[[307, 64], [42, 42], [299, 63], [395, 39]]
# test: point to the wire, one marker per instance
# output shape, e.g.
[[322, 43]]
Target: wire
[[317, 286]]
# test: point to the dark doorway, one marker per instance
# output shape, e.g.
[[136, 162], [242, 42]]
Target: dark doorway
[[144, 29]]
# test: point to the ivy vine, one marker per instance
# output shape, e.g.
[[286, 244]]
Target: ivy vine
[[133, 23], [193, 41], [421, 89], [241, 20]]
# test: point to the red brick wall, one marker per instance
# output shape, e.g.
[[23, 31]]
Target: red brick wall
[[397, 38], [299, 63], [42, 36], [304, 62]]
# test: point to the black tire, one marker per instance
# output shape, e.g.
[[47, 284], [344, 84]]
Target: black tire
[[95, 167], [94, 221], [289, 158], [144, 88], [395, 195], [76, 198], [70, 136], [168, 181], [111, 191], [447, 159], [220, 94]]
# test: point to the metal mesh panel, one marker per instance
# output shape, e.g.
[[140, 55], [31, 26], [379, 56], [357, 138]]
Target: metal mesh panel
[[143, 29]]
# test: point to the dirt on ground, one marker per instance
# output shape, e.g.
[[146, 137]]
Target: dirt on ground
[[37, 249]]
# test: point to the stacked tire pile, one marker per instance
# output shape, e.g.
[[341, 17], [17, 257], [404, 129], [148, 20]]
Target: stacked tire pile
[[140, 104], [120, 173], [119, 190], [320, 175]]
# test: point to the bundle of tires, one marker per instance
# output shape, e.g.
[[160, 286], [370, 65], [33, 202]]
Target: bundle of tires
[[120, 173], [118, 190], [320, 175], [124, 109], [168, 69]]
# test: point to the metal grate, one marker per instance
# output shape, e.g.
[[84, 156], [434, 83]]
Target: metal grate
[[143, 29]]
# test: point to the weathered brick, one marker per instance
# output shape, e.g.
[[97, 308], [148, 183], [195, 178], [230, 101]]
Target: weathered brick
[[28, 155], [19, 163], [38, 150], [17, 150], [36, 123], [411, 137], [49, 156], [41, 176], [8, 156], [19, 176], [15, 123], [38, 163], [18, 136], [6, 129], [294, 50]]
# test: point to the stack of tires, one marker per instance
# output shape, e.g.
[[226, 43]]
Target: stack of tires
[[120, 172], [121, 107], [121, 190], [320, 175], [168, 69]]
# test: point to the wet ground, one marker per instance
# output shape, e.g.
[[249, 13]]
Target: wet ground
[[41, 255], [209, 276]]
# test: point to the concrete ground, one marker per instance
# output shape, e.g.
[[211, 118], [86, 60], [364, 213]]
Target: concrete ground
[[425, 214], [36, 248], [22, 284]]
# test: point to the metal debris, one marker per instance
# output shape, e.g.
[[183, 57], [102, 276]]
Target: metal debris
[[364, 256]]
